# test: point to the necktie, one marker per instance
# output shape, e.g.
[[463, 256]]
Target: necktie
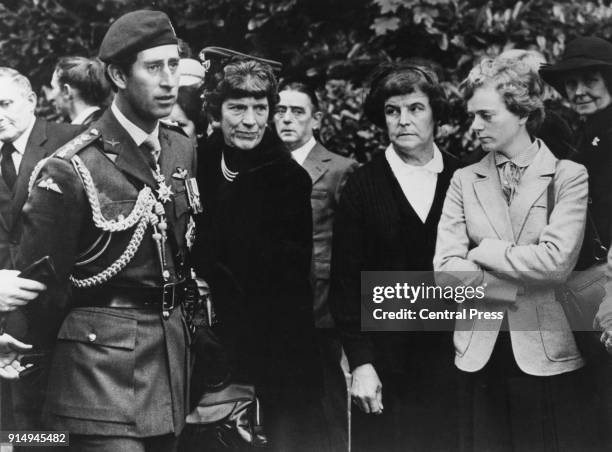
[[510, 178], [7, 166], [151, 149]]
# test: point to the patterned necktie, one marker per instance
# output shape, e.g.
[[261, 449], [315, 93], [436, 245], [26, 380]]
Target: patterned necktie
[[510, 178], [151, 148], [7, 166]]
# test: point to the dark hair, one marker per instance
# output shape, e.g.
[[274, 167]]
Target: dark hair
[[124, 63], [393, 79], [303, 88], [243, 78], [86, 76], [516, 81]]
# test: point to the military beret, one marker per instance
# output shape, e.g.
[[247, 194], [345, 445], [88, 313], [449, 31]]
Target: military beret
[[136, 31]]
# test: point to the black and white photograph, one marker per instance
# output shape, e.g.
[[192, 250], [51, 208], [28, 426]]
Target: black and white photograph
[[306, 225]]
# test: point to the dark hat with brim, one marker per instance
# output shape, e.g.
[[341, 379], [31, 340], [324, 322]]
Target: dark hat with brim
[[581, 53], [134, 32]]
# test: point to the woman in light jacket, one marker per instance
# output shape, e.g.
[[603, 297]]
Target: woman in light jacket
[[519, 363]]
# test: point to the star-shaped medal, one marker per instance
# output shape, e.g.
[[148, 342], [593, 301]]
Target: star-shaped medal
[[164, 192]]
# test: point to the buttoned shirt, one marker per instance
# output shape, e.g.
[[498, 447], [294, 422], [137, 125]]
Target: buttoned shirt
[[20, 145], [300, 154], [78, 119], [418, 183]]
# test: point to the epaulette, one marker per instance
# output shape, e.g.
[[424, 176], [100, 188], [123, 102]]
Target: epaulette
[[171, 125], [77, 144]]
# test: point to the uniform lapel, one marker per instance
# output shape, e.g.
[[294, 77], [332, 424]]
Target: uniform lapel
[[533, 183], [489, 193], [315, 163], [130, 159], [34, 152]]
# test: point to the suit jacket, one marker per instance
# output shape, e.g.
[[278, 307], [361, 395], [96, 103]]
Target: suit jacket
[[376, 228], [114, 371], [328, 172], [45, 138], [479, 234]]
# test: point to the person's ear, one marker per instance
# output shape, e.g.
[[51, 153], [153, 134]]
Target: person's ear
[[66, 90], [317, 117], [117, 75], [32, 100]]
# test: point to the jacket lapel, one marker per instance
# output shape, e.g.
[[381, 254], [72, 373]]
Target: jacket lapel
[[129, 157], [315, 163], [533, 183], [34, 153], [489, 193]]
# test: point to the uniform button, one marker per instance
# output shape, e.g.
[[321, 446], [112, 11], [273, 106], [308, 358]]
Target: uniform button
[[91, 337], [120, 217]]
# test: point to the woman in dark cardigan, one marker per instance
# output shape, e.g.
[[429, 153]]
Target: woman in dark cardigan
[[255, 244], [387, 221]]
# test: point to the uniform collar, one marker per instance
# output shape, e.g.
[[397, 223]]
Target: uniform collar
[[135, 132]]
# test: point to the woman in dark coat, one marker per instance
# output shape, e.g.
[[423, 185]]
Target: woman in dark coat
[[387, 221], [255, 245], [584, 77]]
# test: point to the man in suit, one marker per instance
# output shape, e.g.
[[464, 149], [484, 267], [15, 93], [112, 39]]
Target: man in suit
[[499, 230], [112, 209], [24, 141], [296, 118]]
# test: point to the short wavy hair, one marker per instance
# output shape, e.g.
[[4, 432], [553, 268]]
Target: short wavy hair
[[518, 84], [242, 78], [398, 79], [86, 76]]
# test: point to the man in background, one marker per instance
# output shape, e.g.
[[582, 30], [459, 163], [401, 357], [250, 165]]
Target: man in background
[[296, 118], [24, 141]]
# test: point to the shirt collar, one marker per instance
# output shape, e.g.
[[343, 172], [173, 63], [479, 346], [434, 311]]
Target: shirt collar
[[300, 154], [524, 158], [21, 142], [78, 119], [434, 166], [137, 134]]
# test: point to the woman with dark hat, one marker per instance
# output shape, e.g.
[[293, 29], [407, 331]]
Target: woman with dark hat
[[584, 77]]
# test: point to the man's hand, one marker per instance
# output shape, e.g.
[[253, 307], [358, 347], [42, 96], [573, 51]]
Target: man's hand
[[366, 389], [15, 291], [11, 351]]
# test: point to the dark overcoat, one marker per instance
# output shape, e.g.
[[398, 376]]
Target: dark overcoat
[[255, 241]]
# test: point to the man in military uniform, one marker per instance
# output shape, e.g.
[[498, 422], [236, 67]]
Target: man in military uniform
[[112, 210]]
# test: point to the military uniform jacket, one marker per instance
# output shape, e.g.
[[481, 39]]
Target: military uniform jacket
[[114, 371]]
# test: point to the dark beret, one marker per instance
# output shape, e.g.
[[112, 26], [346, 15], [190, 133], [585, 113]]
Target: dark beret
[[136, 31]]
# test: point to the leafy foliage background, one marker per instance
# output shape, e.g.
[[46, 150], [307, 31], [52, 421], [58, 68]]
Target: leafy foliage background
[[333, 43]]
